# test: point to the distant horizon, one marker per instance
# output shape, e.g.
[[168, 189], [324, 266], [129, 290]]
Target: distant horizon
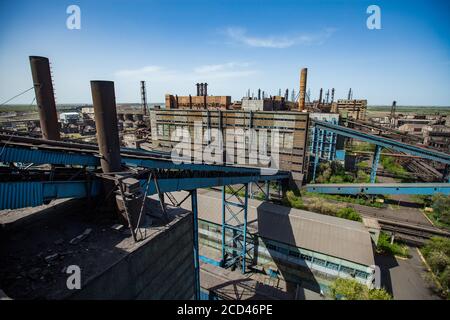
[[174, 44], [163, 103]]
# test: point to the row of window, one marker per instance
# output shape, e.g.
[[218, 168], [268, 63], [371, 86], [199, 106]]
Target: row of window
[[286, 140], [318, 261], [296, 254]]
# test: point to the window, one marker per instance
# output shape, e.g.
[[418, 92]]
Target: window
[[305, 257], [294, 254], [282, 250], [348, 270], [319, 262], [160, 130], [332, 266], [361, 274], [270, 246]]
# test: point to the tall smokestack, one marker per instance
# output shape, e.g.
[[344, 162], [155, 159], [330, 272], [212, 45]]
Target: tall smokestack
[[205, 89], [198, 88], [332, 95], [43, 89], [320, 96], [259, 94], [143, 97], [104, 100], [301, 96]]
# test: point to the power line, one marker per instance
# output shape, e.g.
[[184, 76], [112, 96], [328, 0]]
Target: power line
[[16, 96]]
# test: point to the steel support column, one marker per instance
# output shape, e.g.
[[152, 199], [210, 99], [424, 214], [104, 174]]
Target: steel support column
[[234, 226], [196, 249], [376, 159]]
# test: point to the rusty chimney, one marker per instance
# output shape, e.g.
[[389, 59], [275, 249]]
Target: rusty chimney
[[301, 96], [43, 88], [198, 88], [320, 96], [104, 100]]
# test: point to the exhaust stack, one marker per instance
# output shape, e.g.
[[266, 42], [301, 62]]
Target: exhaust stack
[[301, 96], [45, 99]]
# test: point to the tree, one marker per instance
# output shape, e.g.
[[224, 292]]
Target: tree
[[441, 207], [379, 294], [350, 289]]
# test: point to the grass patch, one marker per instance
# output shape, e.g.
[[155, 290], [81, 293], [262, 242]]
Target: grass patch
[[437, 254], [315, 204], [384, 245], [390, 165], [347, 199]]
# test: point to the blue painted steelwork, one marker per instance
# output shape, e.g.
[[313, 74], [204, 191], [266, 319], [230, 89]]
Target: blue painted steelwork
[[21, 194], [234, 222], [323, 142], [375, 161], [25, 194], [196, 249], [384, 142], [27, 154], [14, 195], [47, 155], [210, 261], [381, 188]]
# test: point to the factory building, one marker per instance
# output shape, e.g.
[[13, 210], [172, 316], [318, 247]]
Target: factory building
[[291, 127], [294, 245], [350, 108], [275, 103]]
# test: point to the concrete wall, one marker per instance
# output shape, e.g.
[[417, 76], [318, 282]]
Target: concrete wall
[[161, 268]]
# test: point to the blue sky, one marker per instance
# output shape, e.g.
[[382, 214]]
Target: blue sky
[[232, 45]]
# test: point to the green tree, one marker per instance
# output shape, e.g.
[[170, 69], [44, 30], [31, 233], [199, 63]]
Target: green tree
[[379, 294], [350, 289], [441, 207]]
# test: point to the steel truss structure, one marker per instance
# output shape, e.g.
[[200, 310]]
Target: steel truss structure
[[236, 249]]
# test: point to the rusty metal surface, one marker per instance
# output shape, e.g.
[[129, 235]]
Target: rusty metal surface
[[43, 88], [301, 97], [104, 101]]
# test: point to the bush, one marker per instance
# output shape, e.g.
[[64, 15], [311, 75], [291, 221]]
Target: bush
[[441, 208], [393, 167], [350, 289], [293, 200], [349, 213], [437, 253], [384, 245], [379, 294]]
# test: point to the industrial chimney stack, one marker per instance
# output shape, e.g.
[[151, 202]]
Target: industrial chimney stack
[[43, 88], [144, 98], [301, 96]]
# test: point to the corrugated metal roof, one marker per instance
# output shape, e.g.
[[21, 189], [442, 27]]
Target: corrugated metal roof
[[337, 237]]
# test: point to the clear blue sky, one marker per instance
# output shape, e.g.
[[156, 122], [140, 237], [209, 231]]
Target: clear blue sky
[[232, 45]]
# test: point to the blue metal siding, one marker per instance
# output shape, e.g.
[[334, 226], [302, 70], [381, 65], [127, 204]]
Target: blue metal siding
[[15, 195], [28, 155]]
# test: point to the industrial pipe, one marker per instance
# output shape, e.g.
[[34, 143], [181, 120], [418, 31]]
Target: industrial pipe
[[43, 88], [104, 100], [301, 96]]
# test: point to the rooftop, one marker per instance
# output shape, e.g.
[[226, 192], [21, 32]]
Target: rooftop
[[337, 237]]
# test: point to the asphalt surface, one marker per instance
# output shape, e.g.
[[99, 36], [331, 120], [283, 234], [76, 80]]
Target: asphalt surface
[[405, 278]]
